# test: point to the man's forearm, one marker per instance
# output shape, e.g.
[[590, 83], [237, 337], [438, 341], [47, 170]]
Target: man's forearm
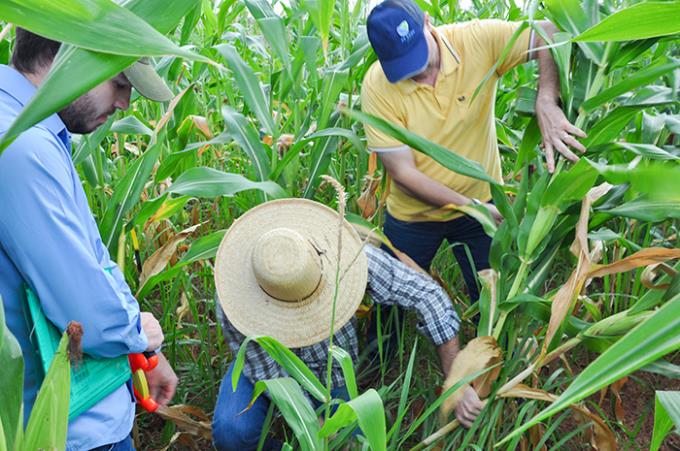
[[548, 75], [447, 353], [418, 185]]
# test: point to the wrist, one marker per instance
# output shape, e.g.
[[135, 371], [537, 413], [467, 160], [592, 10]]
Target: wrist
[[547, 97]]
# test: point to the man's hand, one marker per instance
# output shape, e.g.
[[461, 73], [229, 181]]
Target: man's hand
[[558, 133], [152, 330], [469, 407], [162, 381]]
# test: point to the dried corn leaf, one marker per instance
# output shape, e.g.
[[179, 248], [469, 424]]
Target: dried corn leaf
[[567, 294], [159, 260], [480, 353], [284, 143], [641, 258], [650, 274], [201, 123], [616, 387], [168, 114], [180, 416], [603, 438], [367, 202]]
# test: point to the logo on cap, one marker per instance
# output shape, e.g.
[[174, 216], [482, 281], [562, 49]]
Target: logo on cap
[[402, 29]]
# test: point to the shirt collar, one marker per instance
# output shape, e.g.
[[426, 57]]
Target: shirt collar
[[15, 85], [449, 62]]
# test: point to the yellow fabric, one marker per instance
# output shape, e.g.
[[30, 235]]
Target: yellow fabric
[[444, 114]]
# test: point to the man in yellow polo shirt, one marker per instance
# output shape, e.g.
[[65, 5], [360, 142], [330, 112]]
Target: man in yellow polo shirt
[[424, 81]]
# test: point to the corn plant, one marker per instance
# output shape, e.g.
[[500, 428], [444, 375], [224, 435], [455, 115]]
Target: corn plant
[[48, 422], [266, 104]]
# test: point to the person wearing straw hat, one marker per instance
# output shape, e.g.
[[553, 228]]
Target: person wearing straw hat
[[50, 242], [275, 275]]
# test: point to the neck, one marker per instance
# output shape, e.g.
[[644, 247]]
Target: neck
[[35, 77], [429, 75]]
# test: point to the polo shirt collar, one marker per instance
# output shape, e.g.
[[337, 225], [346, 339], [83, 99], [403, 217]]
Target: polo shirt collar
[[449, 62], [15, 85]]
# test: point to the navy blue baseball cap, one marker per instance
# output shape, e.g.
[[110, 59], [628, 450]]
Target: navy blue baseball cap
[[395, 29]]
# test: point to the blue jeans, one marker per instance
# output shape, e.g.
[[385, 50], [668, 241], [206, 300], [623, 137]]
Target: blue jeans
[[123, 445], [420, 241], [232, 431]]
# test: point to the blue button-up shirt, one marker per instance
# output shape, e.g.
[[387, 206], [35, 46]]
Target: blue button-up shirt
[[50, 241]]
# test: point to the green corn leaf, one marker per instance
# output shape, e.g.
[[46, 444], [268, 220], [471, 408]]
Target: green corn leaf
[[345, 360], [647, 210], [641, 21], [646, 343], [649, 151], [666, 414], [248, 140], [11, 385], [58, 89], [288, 361], [321, 13], [272, 27], [333, 81], [97, 25], [368, 410], [447, 158], [640, 78], [295, 408], [126, 195], [210, 183], [163, 207], [48, 423], [610, 126], [393, 433], [320, 159], [570, 16], [130, 125], [250, 87], [656, 181], [570, 186]]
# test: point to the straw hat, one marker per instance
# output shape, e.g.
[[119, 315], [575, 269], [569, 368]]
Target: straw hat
[[275, 272]]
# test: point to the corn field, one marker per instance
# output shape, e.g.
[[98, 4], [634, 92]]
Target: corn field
[[579, 315]]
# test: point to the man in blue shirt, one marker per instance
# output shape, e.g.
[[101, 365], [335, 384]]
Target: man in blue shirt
[[49, 240]]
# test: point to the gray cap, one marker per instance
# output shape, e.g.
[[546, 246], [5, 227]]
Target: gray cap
[[147, 82]]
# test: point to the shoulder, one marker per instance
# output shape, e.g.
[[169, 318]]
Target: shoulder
[[33, 151]]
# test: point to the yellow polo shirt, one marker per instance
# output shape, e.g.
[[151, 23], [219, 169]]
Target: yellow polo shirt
[[444, 113]]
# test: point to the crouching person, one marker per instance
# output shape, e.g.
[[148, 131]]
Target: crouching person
[[275, 275]]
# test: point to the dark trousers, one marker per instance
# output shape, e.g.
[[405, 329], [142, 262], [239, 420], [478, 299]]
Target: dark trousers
[[421, 240]]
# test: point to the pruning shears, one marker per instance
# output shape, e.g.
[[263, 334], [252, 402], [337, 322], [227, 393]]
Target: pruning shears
[[140, 364]]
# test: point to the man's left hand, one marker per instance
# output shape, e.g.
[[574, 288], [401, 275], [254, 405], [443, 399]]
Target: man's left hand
[[558, 133], [162, 381]]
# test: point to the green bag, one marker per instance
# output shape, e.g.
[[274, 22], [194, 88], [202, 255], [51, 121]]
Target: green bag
[[93, 379]]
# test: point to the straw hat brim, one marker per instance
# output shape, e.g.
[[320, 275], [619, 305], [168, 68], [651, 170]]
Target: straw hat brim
[[295, 324]]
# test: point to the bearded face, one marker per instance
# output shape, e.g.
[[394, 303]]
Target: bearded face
[[92, 109]]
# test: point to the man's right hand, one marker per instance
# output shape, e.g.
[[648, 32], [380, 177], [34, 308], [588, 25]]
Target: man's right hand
[[468, 407], [152, 330]]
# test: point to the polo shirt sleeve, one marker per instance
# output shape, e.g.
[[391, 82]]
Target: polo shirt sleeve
[[376, 103], [49, 244], [496, 34]]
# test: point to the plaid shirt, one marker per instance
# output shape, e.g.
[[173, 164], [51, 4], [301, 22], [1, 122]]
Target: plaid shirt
[[390, 282]]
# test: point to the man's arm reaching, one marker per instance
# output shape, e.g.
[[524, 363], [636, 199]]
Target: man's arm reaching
[[390, 282], [401, 166], [558, 133]]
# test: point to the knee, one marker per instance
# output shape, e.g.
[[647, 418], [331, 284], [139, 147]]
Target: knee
[[233, 434]]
